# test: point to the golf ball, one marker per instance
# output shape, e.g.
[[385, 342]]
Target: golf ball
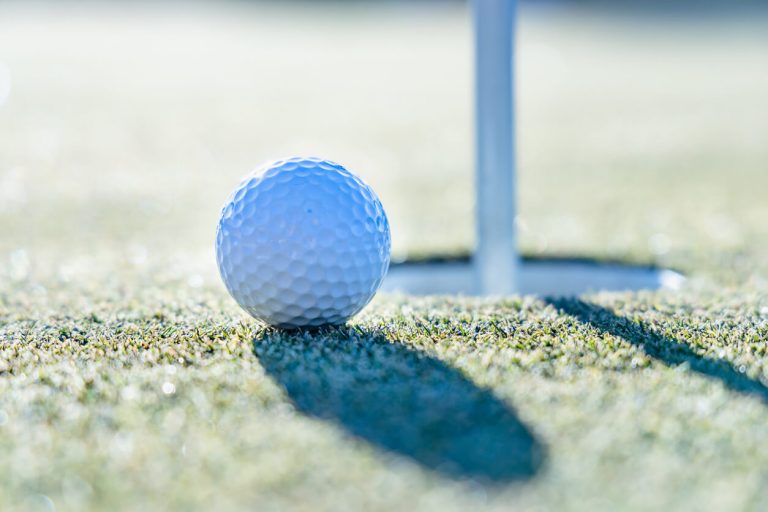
[[303, 242]]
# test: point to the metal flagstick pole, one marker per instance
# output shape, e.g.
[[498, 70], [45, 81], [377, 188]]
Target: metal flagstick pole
[[496, 259]]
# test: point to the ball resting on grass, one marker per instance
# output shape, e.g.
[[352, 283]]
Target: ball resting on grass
[[303, 242]]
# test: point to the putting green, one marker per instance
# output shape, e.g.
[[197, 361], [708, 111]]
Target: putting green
[[130, 380]]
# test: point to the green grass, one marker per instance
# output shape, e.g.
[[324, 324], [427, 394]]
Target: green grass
[[173, 400], [129, 379]]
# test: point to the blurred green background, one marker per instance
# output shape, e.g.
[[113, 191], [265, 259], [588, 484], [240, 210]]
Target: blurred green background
[[642, 136]]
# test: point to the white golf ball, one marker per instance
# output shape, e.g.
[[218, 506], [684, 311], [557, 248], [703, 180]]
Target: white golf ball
[[303, 242]]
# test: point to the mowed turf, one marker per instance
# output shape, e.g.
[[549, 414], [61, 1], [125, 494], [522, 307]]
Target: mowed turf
[[129, 380], [168, 398]]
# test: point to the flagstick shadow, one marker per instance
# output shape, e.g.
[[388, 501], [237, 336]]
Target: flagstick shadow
[[403, 401], [663, 348]]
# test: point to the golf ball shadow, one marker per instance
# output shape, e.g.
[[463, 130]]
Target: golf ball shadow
[[403, 401]]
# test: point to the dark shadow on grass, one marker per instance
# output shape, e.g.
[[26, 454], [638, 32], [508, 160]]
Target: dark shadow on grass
[[402, 400], [668, 350]]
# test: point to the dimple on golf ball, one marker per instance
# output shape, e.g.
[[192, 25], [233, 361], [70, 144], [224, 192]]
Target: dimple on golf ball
[[303, 242]]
